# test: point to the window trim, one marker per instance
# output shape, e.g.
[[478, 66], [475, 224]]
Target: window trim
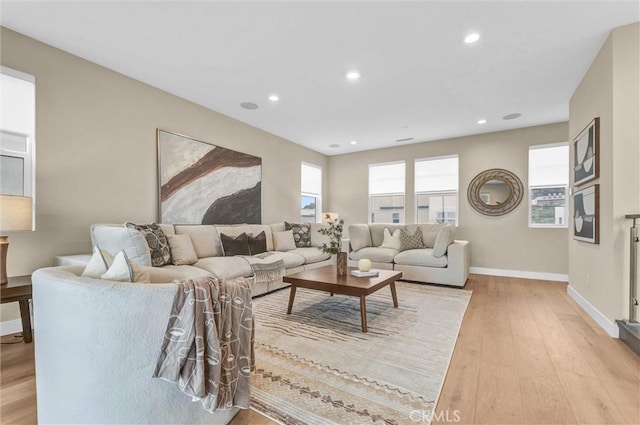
[[530, 188]]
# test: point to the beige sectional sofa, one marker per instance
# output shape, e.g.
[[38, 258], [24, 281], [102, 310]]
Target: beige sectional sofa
[[421, 265], [208, 246]]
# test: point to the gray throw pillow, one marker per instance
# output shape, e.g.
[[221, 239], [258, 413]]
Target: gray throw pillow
[[411, 240], [443, 240], [301, 233], [157, 241]]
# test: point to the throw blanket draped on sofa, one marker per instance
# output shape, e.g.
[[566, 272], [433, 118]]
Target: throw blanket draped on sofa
[[208, 345]]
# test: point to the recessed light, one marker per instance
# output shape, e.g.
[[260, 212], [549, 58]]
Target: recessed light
[[471, 38], [249, 105], [353, 75], [354, 142], [334, 145], [482, 121], [274, 98], [512, 116]]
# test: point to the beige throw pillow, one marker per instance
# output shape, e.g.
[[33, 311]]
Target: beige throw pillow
[[391, 241], [182, 250], [283, 241], [99, 263], [443, 240], [124, 270]]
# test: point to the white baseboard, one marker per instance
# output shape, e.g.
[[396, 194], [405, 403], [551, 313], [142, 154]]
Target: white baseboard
[[10, 327], [609, 327], [520, 273]]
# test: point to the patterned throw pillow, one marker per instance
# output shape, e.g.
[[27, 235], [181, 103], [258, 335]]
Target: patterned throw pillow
[[411, 240], [301, 233], [157, 241]]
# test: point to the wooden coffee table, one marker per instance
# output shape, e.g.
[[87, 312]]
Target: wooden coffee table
[[326, 279]]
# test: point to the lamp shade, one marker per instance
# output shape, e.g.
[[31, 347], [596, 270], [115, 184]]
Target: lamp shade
[[15, 213]]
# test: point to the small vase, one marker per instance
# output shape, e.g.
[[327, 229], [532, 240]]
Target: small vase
[[342, 263]]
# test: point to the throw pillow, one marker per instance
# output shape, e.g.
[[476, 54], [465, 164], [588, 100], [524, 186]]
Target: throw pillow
[[283, 241], [235, 246], [125, 270], [182, 250], [443, 240], [391, 241], [301, 233], [98, 264], [157, 241], [411, 240], [258, 243]]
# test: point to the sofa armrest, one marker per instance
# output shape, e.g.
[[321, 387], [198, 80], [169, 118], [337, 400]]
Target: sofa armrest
[[459, 258]]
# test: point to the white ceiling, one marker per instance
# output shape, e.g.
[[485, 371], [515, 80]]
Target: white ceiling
[[418, 79]]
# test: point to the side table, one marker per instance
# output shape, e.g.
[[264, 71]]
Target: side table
[[18, 289]]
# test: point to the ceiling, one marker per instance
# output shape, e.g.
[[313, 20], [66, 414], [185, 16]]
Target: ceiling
[[418, 79]]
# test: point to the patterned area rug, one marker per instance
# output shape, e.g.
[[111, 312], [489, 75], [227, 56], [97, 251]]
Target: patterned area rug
[[316, 366]]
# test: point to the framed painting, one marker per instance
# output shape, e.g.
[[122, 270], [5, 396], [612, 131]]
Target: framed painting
[[586, 218], [201, 183], [586, 152]]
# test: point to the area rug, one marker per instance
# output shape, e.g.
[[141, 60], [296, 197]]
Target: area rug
[[316, 366]]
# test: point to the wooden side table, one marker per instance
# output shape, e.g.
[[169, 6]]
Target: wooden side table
[[19, 289]]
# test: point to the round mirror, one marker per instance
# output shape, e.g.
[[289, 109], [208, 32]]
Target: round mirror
[[495, 192]]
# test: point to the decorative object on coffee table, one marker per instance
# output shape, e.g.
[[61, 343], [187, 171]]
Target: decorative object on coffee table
[[364, 265], [334, 232], [15, 214]]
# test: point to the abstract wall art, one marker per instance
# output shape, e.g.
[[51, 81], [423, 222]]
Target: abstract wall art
[[586, 204], [586, 147], [201, 183]]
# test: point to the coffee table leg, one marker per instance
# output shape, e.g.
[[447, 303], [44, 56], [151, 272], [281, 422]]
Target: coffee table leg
[[26, 320], [292, 295], [393, 294], [363, 313]]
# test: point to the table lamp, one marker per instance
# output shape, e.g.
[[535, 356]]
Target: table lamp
[[15, 214]]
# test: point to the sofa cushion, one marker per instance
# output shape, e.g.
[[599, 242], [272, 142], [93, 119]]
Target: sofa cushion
[[238, 245], [290, 259], [167, 229], [225, 267], [377, 232], [391, 240], [257, 243], [311, 255], [283, 241], [205, 238], [420, 257], [301, 233], [430, 232], [411, 239], [444, 239], [115, 238], [182, 250], [375, 254], [359, 236], [317, 238], [124, 270], [157, 242], [169, 273]]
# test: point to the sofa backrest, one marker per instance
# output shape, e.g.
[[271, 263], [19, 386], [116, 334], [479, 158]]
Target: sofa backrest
[[234, 230], [205, 238], [114, 238], [366, 235]]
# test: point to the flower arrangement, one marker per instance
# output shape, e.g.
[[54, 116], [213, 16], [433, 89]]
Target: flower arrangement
[[334, 231]]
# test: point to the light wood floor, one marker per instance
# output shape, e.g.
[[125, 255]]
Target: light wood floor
[[526, 354]]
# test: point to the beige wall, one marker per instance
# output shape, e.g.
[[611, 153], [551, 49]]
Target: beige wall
[[96, 152], [610, 90], [497, 242]]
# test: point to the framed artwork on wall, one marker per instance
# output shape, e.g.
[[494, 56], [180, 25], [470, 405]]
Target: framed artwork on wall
[[586, 219], [586, 153], [201, 183]]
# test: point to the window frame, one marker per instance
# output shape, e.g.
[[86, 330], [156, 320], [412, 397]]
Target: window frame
[[403, 193], [530, 189], [317, 196], [436, 192]]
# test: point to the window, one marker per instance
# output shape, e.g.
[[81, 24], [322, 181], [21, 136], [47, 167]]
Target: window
[[548, 183], [17, 133], [311, 197], [386, 192], [436, 186]]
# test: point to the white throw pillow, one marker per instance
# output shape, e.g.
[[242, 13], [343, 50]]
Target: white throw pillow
[[283, 241], [443, 240], [99, 263], [391, 241], [182, 250], [124, 270]]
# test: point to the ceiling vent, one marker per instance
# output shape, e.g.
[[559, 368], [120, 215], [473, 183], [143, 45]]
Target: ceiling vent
[[407, 139]]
